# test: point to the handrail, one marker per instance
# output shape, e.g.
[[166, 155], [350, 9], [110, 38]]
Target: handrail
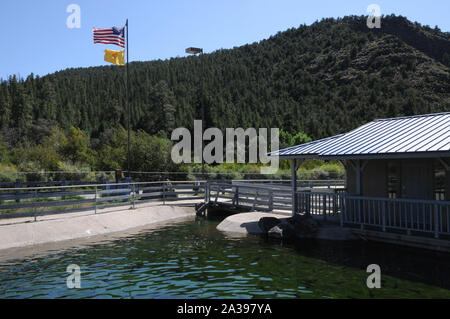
[[357, 197], [161, 182], [410, 215], [37, 201], [96, 185]]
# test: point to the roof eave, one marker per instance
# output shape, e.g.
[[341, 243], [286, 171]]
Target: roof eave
[[436, 154]]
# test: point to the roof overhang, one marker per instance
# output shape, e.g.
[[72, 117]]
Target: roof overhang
[[418, 136], [366, 156]]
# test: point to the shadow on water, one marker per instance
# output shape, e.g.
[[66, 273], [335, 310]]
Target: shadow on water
[[408, 263]]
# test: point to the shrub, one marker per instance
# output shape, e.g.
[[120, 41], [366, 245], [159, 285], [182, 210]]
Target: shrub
[[8, 173]]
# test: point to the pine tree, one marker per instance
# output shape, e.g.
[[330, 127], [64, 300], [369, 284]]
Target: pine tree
[[5, 106], [20, 107], [48, 105]]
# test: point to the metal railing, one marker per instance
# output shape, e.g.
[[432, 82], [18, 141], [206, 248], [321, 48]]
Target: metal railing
[[385, 214], [72, 197], [248, 196], [36, 201], [410, 215], [301, 183]]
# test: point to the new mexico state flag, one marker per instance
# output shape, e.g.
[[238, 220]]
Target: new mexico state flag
[[115, 57]]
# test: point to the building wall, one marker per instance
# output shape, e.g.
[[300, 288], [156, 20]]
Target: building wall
[[373, 179], [416, 176], [447, 189]]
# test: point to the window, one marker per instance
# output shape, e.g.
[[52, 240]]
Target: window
[[393, 180], [439, 181]]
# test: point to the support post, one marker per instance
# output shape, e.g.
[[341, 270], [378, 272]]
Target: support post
[[295, 164], [294, 186]]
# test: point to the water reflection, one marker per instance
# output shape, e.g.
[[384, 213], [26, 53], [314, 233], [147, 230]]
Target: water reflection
[[193, 260]]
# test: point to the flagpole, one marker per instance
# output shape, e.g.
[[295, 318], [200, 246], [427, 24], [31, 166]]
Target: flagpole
[[128, 103]]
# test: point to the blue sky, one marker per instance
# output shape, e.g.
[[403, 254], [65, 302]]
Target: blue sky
[[37, 39]]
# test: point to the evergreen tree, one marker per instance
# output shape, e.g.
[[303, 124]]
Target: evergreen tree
[[5, 105], [48, 103], [21, 115]]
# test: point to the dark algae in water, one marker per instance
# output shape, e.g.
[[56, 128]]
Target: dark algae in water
[[193, 260]]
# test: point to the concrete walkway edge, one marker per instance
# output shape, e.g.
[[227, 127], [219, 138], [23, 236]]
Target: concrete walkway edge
[[48, 231]]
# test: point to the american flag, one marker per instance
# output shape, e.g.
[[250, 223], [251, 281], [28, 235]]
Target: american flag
[[114, 35]]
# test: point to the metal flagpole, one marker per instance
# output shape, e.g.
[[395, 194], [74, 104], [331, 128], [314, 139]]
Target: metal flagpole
[[128, 104]]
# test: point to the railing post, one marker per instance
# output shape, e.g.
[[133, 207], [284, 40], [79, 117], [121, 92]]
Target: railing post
[[17, 185], [436, 221], [218, 188], [360, 212], [254, 202], [63, 189], [341, 215], [324, 208], [133, 195], [384, 215], [308, 197], [237, 195], [95, 204], [164, 193], [35, 204], [270, 201]]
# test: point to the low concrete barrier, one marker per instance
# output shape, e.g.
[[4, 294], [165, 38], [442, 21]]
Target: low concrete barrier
[[54, 230]]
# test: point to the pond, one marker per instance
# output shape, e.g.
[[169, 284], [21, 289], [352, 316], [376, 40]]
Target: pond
[[191, 259]]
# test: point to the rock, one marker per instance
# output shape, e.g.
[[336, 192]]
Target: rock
[[267, 223], [305, 226], [283, 230], [275, 232], [288, 229]]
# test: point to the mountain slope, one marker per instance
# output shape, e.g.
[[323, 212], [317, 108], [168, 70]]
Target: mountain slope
[[322, 79]]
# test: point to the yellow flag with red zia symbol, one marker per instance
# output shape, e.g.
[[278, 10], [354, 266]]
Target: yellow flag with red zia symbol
[[115, 57]]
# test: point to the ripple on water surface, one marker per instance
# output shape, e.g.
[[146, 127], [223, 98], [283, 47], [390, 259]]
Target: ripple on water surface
[[193, 260]]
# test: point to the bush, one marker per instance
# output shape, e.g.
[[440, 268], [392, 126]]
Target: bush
[[8, 173], [42, 157]]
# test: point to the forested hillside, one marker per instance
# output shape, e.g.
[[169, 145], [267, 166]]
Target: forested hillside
[[322, 79]]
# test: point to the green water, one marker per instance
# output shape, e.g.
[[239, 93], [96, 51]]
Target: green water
[[193, 260]]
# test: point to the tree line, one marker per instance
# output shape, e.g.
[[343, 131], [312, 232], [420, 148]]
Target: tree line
[[318, 80]]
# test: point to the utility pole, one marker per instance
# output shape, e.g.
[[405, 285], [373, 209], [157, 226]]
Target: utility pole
[[195, 51]]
